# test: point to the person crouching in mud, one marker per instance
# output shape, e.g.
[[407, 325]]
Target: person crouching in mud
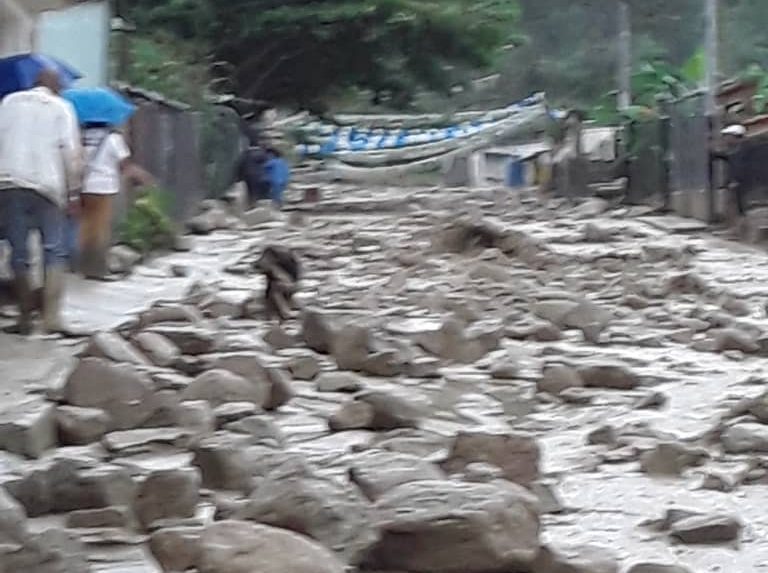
[[734, 155]]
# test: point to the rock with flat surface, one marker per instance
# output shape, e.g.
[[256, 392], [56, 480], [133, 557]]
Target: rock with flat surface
[[13, 522], [732, 339], [144, 439], [122, 391], [745, 438], [81, 426], [259, 429], [517, 455], [376, 472], [242, 547], [657, 568], [453, 527], [29, 429], [706, 529], [350, 346], [305, 367], [671, 459], [329, 512], [222, 386], [167, 494], [115, 517], [352, 415]]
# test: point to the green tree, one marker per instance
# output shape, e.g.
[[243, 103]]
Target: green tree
[[302, 51]]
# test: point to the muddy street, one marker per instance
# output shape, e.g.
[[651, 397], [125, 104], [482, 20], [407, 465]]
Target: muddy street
[[471, 378]]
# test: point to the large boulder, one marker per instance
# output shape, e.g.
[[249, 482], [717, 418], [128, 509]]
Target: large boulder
[[176, 548], [29, 429], [275, 383], [81, 426], [517, 455], [222, 386], [329, 512], [377, 410], [378, 471], [350, 347], [166, 494], [317, 331], [241, 547], [112, 346], [611, 376], [123, 392], [453, 527], [158, 348]]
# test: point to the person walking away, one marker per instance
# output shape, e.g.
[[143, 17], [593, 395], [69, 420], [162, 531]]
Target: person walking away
[[278, 175], [735, 158], [40, 160], [108, 158], [251, 168]]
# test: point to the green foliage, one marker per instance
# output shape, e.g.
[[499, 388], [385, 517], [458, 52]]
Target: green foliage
[[305, 51], [170, 66], [147, 226]]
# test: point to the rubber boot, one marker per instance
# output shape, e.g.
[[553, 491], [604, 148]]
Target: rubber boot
[[24, 300], [53, 290]]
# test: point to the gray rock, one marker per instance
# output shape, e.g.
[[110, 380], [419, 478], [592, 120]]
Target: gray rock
[[745, 438], [123, 392], [376, 472], [167, 494], [221, 386], [279, 339], [305, 367], [317, 331], [671, 459], [196, 417], [350, 347], [385, 364], [121, 259], [505, 370], [706, 529], [144, 439], [391, 411], [189, 338], [13, 523], [258, 216], [517, 455], [241, 547], [732, 339], [578, 559], [29, 429], [115, 517], [81, 426], [557, 378], [352, 415], [280, 391], [176, 548], [169, 313], [612, 376], [604, 435], [92, 488], [329, 512], [657, 568], [112, 346], [259, 429], [453, 527], [234, 411], [338, 382], [158, 348]]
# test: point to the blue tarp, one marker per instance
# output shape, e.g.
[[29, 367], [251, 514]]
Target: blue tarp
[[19, 73], [100, 105]]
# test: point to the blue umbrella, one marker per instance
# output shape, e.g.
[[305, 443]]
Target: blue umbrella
[[99, 105], [20, 72]]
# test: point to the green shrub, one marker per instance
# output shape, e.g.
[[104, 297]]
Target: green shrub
[[147, 226]]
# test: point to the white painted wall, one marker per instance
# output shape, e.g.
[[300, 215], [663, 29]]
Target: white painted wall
[[79, 36]]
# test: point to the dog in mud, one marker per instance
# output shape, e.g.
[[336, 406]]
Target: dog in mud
[[282, 270]]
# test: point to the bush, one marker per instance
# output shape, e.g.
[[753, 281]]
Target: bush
[[147, 226]]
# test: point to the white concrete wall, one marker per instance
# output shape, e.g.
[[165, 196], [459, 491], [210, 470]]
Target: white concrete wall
[[79, 36]]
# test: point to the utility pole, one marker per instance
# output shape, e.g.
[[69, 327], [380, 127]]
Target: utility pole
[[712, 43], [625, 56]]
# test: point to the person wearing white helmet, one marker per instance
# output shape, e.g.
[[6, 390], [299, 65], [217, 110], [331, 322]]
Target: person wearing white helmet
[[734, 156]]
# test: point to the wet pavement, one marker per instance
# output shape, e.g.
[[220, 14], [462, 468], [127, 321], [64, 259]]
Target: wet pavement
[[380, 268]]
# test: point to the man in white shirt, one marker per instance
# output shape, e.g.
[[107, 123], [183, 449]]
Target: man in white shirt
[[40, 157]]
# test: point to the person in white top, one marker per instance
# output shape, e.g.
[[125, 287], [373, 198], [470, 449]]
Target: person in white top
[[108, 158], [40, 158]]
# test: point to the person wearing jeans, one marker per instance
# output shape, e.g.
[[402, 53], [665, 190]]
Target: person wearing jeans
[[40, 158]]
